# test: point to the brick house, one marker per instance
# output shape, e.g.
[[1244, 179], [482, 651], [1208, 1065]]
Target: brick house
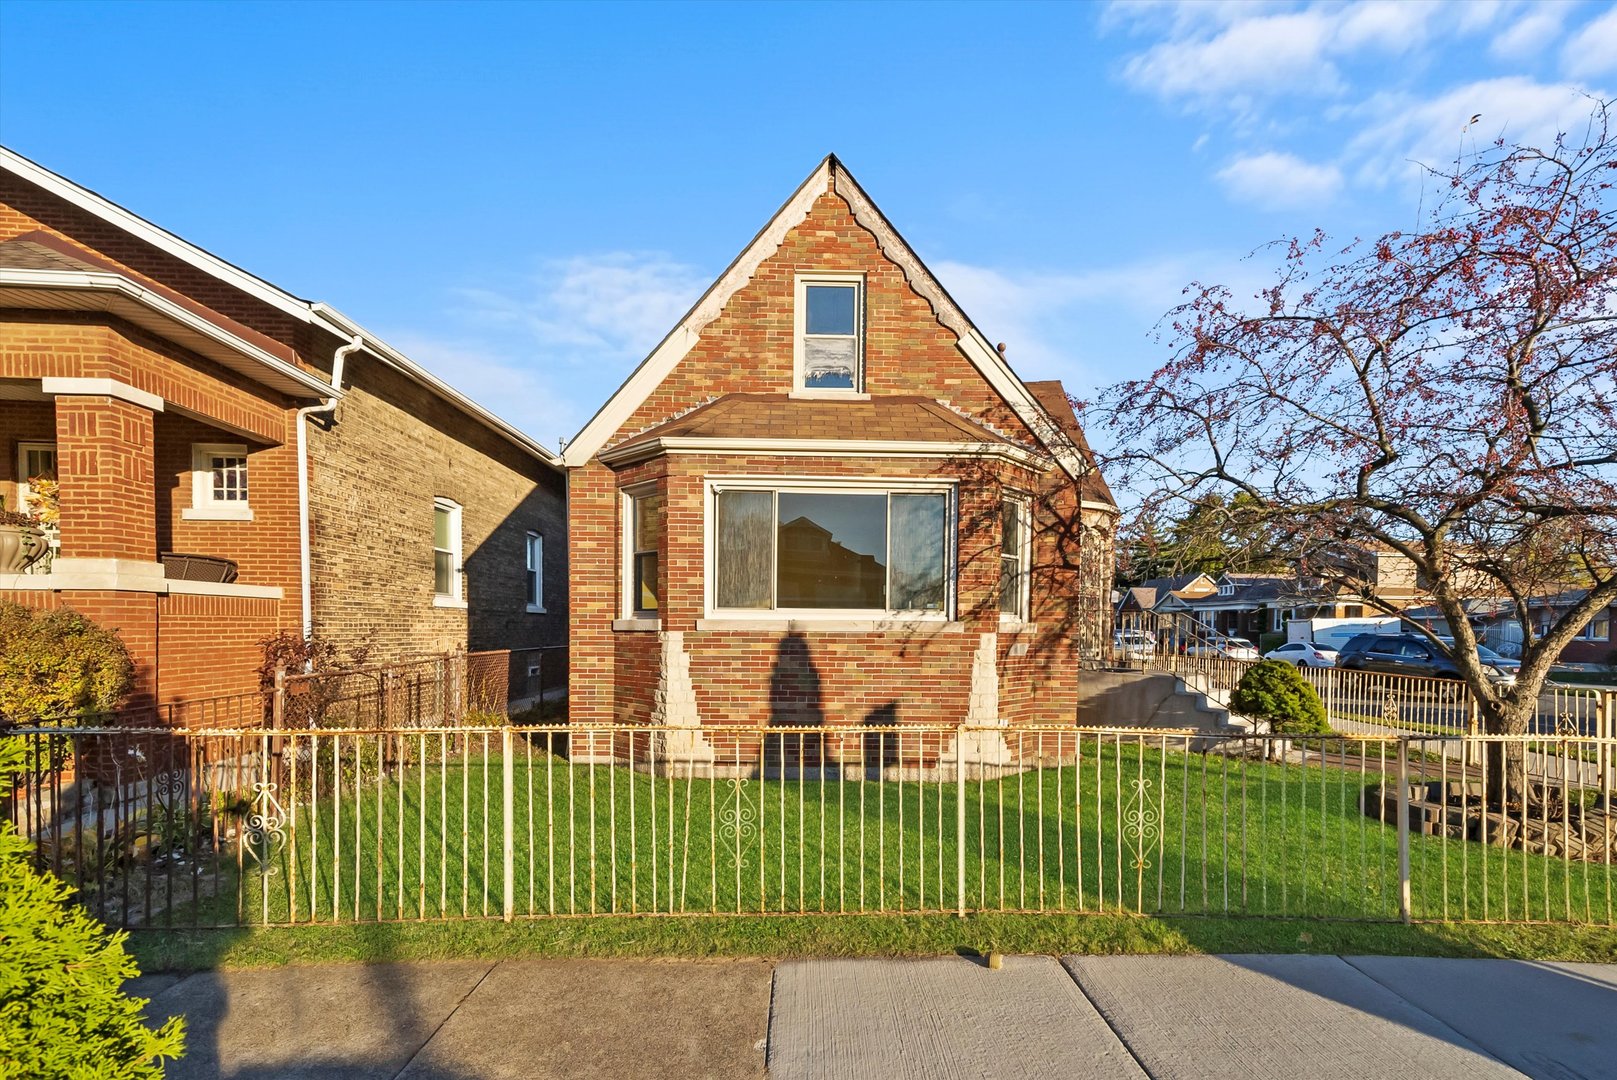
[[826, 499], [185, 406]]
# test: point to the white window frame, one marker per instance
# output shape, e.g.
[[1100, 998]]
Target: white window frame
[[627, 605], [799, 323], [828, 486], [533, 548], [1024, 559], [25, 493], [204, 507], [455, 598]]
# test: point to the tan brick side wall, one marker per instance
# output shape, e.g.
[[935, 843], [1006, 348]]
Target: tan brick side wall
[[36, 345], [374, 475]]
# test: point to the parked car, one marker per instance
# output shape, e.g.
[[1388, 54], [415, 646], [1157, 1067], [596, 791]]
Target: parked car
[[1304, 654], [1134, 644], [1409, 654], [1231, 648]]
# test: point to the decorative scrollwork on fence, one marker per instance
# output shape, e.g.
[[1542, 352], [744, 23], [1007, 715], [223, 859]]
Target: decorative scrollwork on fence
[[264, 835], [1391, 711], [739, 819], [1142, 822]]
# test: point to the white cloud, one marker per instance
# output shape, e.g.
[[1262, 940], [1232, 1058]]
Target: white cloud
[[1391, 26], [1592, 51], [1263, 54], [546, 351], [528, 395], [593, 307], [1401, 134], [1280, 180], [1526, 38]]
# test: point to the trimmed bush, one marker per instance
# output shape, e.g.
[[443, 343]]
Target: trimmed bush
[[1275, 692], [58, 664], [63, 1012]]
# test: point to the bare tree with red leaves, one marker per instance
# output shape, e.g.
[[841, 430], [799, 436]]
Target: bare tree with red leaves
[[1449, 393]]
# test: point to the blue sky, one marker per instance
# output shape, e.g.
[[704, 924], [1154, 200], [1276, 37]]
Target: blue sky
[[525, 197]]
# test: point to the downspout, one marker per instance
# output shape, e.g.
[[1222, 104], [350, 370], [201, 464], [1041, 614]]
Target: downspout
[[325, 408]]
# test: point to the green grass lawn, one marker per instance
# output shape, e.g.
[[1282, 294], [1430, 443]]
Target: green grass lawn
[[1134, 828]]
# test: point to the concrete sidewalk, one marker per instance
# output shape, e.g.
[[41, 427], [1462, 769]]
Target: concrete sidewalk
[[1158, 1017]]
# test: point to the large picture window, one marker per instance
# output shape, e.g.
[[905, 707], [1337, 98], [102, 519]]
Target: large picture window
[[831, 550]]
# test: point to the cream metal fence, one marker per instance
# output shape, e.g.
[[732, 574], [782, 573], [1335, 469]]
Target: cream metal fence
[[242, 828]]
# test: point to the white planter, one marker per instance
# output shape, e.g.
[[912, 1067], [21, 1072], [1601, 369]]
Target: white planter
[[19, 546]]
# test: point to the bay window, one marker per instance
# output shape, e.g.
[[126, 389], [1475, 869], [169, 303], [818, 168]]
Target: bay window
[[831, 548]]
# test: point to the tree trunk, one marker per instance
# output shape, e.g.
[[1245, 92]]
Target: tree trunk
[[1506, 762]]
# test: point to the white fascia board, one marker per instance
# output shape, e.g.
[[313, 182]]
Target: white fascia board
[[684, 336], [96, 281], [344, 327], [159, 238], [891, 448]]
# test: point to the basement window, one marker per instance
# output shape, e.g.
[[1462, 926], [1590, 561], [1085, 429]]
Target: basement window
[[218, 483]]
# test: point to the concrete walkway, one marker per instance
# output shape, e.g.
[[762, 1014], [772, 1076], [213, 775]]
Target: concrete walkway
[[1130, 1017]]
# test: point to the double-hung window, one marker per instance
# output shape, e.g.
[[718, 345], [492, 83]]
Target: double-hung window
[[818, 549], [644, 532], [830, 334], [446, 553], [1597, 628], [535, 579], [1014, 551], [218, 483]]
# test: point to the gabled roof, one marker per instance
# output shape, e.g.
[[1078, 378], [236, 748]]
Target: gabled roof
[[1052, 397], [318, 315], [829, 174]]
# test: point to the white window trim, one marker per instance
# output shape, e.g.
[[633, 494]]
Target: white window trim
[[799, 318], [1024, 601], [626, 524], [828, 486], [535, 604], [24, 492], [203, 507], [455, 598]]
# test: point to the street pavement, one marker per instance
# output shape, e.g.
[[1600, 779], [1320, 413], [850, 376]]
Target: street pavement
[[1161, 1017]]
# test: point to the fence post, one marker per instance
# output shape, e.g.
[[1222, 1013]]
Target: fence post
[[1606, 747], [507, 800], [1403, 829], [960, 818]]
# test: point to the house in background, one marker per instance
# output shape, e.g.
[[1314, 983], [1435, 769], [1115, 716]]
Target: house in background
[[185, 407], [826, 499]]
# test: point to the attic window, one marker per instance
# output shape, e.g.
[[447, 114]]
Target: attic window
[[830, 346]]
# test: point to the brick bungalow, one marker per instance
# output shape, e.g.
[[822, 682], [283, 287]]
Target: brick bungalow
[[826, 499], [185, 406]]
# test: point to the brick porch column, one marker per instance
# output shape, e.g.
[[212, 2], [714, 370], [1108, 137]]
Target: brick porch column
[[105, 471]]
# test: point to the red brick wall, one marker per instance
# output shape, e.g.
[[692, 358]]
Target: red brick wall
[[104, 468], [752, 676], [208, 645]]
